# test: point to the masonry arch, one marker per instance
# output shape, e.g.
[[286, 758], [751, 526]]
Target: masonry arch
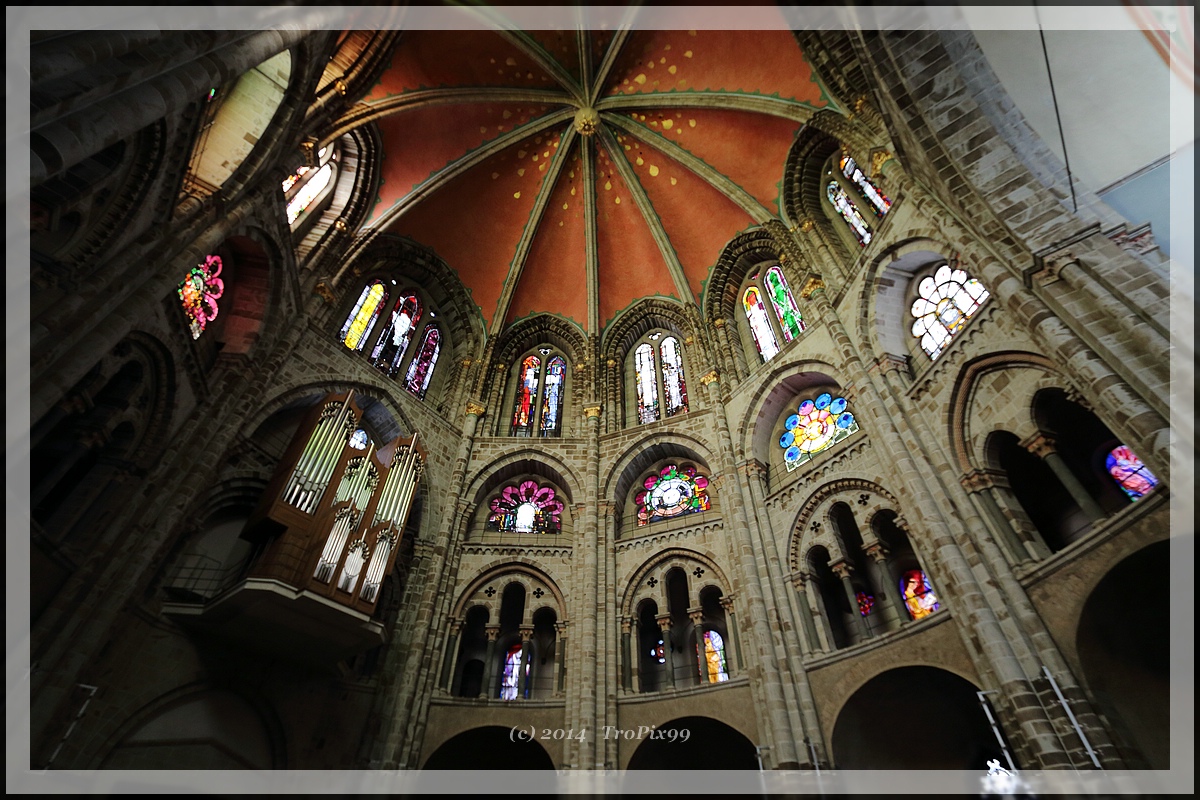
[[488, 748], [712, 744]]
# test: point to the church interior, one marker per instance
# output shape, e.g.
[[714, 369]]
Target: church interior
[[710, 399]]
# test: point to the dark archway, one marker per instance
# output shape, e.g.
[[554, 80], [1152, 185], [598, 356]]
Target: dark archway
[[1124, 646], [490, 748], [708, 744], [914, 718]]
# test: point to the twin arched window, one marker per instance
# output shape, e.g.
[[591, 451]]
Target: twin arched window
[[658, 373], [302, 188], [945, 301], [405, 322], [768, 330], [850, 178], [537, 407]]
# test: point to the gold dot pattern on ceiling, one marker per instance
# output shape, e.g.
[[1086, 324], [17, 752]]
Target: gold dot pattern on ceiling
[[655, 72], [519, 117], [512, 68]]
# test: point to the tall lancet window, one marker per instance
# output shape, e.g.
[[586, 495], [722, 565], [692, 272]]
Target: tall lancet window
[[880, 203], [849, 212], [790, 321], [397, 333], [658, 371], [945, 301], [540, 389], [420, 371], [362, 319], [760, 323], [306, 184]]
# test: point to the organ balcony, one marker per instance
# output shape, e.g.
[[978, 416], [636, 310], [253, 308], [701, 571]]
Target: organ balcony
[[321, 542]]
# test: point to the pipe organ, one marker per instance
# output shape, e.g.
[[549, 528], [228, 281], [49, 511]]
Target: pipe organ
[[332, 517]]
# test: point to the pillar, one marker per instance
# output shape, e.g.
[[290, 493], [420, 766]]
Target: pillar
[[811, 642], [733, 647], [697, 617], [560, 640], [891, 604], [981, 487], [843, 570], [1046, 449], [448, 663], [523, 691], [626, 655], [664, 627], [489, 671]]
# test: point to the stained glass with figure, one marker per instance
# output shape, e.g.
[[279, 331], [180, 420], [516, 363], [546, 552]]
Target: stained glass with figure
[[362, 318], [647, 383], [945, 301], [817, 424], [552, 396], [918, 594], [526, 507], [527, 389], [1134, 478], [849, 212], [510, 681], [420, 371], [714, 657], [760, 324], [393, 343], [671, 492], [673, 381], [199, 292], [790, 321]]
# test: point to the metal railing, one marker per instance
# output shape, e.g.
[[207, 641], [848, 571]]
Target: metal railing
[[201, 578]]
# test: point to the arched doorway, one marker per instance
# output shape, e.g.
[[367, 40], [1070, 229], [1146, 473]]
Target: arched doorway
[[914, 718], [490, 748], [1123, 641], [707, 744]]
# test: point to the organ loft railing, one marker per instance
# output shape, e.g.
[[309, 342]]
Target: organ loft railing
[[324, 538]]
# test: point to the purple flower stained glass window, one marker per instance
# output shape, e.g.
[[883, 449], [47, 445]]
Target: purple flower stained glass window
[[526, 507]]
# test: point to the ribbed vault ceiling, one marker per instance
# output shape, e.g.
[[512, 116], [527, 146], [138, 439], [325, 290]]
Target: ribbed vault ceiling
[[485, 160]]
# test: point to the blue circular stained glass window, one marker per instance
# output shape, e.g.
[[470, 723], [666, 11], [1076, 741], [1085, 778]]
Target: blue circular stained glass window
[[792, 422], [787, 439], [824, 400], [791, 454], [845, 420], [820, 423], [837, 406]]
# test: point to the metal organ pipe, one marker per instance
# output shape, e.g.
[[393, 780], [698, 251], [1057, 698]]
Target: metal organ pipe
[[316, 463]]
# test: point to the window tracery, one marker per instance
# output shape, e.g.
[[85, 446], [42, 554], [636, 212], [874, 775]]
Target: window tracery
[[302, 188], [817, 424], [526, 507], [199, 292], [945, 301], [538, 401], [393, 352], [768, 285], [672, 491]]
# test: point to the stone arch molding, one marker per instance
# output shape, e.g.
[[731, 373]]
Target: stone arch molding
[[972, 417], [817, 509], [300, 388], [542, 464], [648, 450], [883, 325], [522, 571], [638, 589]]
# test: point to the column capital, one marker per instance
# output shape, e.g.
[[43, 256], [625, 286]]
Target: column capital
[[664, 622], [526, 632], [902, 523], [719, 322], [976, 480], [455, 626], [560, 629], [877, 550], [892, 363], [491, 631], [696, 615], [474, 407], [811, 287], [325, 292], [841, 568], [591, 412], [710, 377], [800, 580], [1040, 445], [626, 624]]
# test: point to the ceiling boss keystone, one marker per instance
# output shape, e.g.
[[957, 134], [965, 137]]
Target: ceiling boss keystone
[[587, 121]]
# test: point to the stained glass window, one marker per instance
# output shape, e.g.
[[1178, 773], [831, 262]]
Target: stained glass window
[[421, 368], [947, 299], [714, 657], [760, 325], [527, 391], [1134, 478], [359, 439], [552, 399], [647, 383], [362, 318], [777, 289], [510, 682], [308, 193], [393, 342], [674, 386], [865, 602], [818, 424], [878, 200], [199, 292], [526, 508], [659, 653], [918, 594], [671, 492], [845, 206]]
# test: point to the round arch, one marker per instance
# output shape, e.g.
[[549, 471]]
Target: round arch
[[522, 462], [382, 411], [488, 748], [803, 537], [710, 744], [643, 452], [913, 717], [708, 560]]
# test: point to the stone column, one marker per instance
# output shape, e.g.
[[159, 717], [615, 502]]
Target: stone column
[[843, 569], [591, 637], [817, 239], [981, 486], [696, 615], [664, 627], [766, 685], [612, 388], [626, 664], [560, 644], [811, 642], [448, 663], [489, 669], [526, 668], [733, 647], [635, 664], [891, 603], [1046, 449], [734, 367]]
